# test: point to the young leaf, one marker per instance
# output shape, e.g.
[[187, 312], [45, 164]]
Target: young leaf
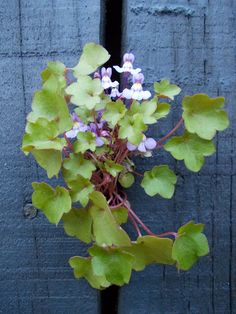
[[120, 214], [165, 89], [203, 115], [160, 180], [85, 92], [149, 249], [78, 223], [190, 148], [83, 268], [131, 127], [80, 190], [114, 112], [126, 180], [54, 77], [112, 263], [148, 109], [190, 244], [75, 165], [112, 167], [105, 228], [92, 57], [53, 202], [162, 110], [51, 106], [86, 141]]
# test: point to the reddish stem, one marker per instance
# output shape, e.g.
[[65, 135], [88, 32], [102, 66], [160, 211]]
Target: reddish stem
[[135, 225], [162, 139]]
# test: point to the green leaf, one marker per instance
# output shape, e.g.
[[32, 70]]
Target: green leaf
[[190, 148], [149, 249], [86, 141], [120, 214], [114, 112], [126, 180], [162, 110], [75, 165], [78, 223], [51, 106], [92, 57], [190, 244], [160, 180], [112, 263], [85, 92], [112, 167], [105, 228], [203, 115], [42, 135], [166, 90], [83, 268], [131, 127], [54, 77], [80, 190], [53, 202], [48, 159], [147, 110]]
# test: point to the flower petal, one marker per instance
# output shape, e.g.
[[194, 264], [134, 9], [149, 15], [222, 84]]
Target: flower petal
[[118, 69], [146, 94], [127, 93], [142, 147], [150, 143], [131, 147]]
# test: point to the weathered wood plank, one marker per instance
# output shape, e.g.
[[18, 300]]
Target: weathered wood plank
[[193, 44], [35, 275]]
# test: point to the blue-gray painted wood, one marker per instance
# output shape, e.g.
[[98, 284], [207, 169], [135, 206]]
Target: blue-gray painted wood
[[34, 273], [193, 44]]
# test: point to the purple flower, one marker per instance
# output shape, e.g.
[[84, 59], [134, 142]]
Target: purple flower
[[78, 126], [106, 78], [94, 128], [128, 60], [146, 144], [136, 91]]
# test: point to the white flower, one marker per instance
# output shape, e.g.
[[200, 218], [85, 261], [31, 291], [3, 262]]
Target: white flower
[[106, 78], [128, 60], [136, 91]]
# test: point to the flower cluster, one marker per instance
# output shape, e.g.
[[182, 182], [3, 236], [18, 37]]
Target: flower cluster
[[88, 130]]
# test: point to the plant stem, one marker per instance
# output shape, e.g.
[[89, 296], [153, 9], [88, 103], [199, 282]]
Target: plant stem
[[135, 225], [162, 139]]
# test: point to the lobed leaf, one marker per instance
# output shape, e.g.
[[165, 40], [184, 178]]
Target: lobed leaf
[[53, 202], [105, 228], [160, 180], [83, 268], [189, 245], [165, 89], [75, 165], [86, 141], [150, 249], [80, 188], [131, 128], [92, 57], [114, 112], [85, 92], [112, 263], [112, 167], [53, 107], [78, 223], [203, 115], [190, 148]]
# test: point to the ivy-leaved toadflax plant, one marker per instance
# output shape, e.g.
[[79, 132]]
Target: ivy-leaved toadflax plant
[[85, 127]]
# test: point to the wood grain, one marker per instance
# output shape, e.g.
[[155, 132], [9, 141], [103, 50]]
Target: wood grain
[[193, 44]]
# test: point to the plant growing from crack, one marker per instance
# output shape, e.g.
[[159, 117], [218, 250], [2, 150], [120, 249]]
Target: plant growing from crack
[[83, 127]]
